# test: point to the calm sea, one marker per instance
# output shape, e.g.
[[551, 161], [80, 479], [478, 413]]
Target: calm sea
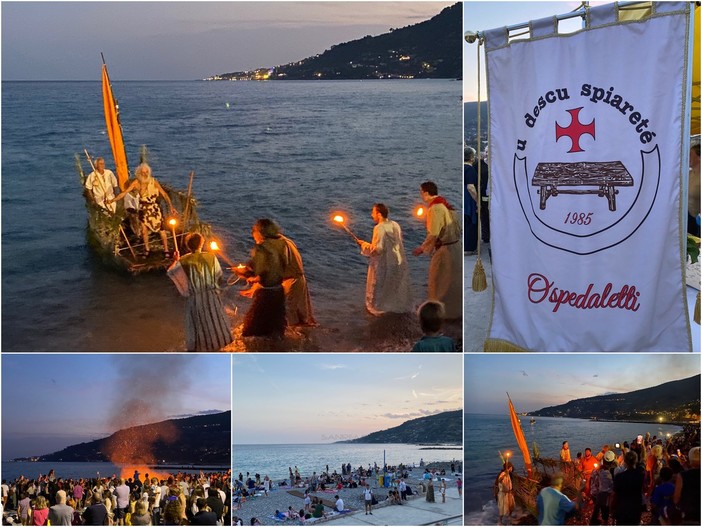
[[13, 469], [274, 460], [292, 151], [485, 434]]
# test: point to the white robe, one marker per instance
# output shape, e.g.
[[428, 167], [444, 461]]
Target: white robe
[[388, 285]]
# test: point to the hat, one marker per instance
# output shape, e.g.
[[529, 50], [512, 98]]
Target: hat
[[609, 456], [639, 438]]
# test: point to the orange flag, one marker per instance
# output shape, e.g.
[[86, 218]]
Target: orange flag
[[114, 130], [519, 435]]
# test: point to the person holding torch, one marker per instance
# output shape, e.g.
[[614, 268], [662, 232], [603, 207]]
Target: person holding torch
[[387, 284], [443, 243], [206, 325]]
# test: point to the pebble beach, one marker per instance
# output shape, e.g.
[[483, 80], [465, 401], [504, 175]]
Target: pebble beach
[[279, 498]]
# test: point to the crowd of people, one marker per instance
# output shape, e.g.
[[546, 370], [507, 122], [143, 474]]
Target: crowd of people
[[363, 487], [181, 499], [649, 479]]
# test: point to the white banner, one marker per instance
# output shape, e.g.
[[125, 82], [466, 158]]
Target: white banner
[[586, 148]]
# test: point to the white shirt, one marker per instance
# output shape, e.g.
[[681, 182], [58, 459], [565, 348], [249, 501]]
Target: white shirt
[[103, 187], [368, 494], [339, 505]]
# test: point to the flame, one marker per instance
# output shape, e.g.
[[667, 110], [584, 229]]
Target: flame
[[241, 266], [127, 472], [214, 246], [419, 211], [172, 222], [339, 218]]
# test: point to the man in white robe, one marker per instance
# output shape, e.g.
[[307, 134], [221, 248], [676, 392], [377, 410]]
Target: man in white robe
[[443, 243], [101, 184], [387, 285]]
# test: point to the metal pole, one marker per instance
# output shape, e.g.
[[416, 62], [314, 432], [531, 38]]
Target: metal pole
[[685, 168], [581, 12]]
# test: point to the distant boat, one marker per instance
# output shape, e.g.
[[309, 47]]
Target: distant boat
[[532, 421]]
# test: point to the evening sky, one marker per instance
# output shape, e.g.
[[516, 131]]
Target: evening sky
[[482, 16], [184, 40], [55, 400], [282, 399], [535, 381]]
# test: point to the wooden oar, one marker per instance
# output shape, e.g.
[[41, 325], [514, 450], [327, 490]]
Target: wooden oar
[[186, 211]]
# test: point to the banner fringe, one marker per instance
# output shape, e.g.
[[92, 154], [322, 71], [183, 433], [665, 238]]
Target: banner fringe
[[479, 278], [492, 345]]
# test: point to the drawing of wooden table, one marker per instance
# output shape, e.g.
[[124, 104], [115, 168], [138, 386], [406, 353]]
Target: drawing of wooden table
[[606, 176]]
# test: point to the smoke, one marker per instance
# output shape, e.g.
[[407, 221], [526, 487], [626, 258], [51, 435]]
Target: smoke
[[148, 389]]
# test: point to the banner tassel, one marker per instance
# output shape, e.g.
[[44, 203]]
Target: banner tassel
[[697, 308], [499, 345], [479, 278]]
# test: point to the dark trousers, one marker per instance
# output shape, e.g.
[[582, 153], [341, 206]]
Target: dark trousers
[[601, 504], [485, 221], [470, 234]]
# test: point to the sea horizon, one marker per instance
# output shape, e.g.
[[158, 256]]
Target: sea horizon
[[274, 460]]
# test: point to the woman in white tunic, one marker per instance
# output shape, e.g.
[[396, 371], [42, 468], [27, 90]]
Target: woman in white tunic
[[388, 285]]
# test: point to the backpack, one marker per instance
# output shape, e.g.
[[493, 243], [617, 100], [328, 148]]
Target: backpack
[[603, 482]]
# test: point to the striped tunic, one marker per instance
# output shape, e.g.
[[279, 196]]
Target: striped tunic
[[206, 325]]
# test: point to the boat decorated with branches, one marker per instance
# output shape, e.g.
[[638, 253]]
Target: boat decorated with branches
[[115, 235]]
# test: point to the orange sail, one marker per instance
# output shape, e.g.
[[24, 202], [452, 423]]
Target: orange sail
[[519, 435], [114, 130]]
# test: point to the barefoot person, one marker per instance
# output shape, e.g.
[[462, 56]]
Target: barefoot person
[[387, 285], [206, 324], [150, 214], [265, 272], [443, 243]]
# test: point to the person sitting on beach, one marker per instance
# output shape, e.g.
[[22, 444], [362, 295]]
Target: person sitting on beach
[[318, 508], [431, 318], [339, 505]]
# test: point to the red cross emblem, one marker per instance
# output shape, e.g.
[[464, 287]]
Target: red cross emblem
[[575, 130]]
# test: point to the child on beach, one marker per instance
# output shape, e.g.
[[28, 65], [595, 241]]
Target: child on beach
[[431, 317]]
